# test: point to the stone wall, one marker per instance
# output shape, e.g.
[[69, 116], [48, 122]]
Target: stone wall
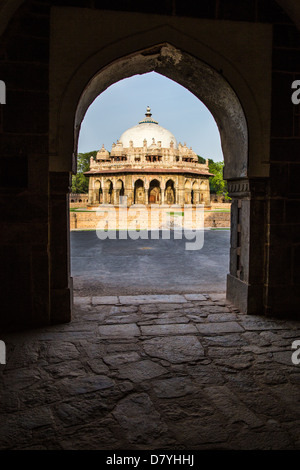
[[78, 200], [221, 205], [24, 168], [283, 208], [217, 198], [91, 220]]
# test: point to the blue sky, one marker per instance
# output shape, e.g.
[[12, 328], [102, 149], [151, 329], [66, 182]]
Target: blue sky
[[124, 104]]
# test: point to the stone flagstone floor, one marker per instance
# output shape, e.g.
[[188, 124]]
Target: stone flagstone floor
[[152, 372]]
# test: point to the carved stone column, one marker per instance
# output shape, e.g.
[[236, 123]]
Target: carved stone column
[[246, 279], [196, 196], [96, 196], [116, 199], [129, 193], [105, 196], [162, 192], [91, 195], [187, 196], [146, 193]]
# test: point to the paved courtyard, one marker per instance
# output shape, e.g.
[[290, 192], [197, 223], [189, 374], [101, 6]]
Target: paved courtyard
[[150, 266], [152, 372]]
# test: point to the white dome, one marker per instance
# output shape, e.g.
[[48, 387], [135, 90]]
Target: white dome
[[147, 129]]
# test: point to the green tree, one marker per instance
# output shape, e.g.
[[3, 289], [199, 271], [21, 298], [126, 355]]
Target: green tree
[[201, 159], [80, 183], [217, 183]]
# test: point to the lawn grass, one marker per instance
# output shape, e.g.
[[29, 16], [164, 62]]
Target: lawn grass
[[79, 209], [176, 213], [218, 210]]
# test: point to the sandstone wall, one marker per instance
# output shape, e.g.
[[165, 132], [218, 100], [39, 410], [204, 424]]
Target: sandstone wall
[[92, 220]]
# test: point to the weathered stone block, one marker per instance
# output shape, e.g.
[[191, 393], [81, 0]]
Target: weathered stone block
[[141, 370], [124, 330], [219, 328], [168, 329], [175, 349]]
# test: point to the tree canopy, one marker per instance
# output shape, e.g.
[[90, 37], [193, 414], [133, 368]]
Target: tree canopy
[[217, 183], [201, 159], [80, 183]]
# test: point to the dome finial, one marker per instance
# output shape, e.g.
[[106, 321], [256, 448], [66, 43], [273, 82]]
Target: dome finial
[[148, 119]]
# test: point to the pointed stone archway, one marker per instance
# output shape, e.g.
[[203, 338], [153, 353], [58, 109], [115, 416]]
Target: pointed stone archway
[[243, 126]]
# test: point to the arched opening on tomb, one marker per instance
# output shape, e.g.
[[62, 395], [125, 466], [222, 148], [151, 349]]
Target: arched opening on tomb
[[139, 192], [154, 196], [170, 195], [98, 192]]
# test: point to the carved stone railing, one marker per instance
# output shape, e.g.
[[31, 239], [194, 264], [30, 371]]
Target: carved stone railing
[[147, 165]]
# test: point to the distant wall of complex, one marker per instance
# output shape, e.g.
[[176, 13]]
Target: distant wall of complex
[[78, 200], [93, 220]]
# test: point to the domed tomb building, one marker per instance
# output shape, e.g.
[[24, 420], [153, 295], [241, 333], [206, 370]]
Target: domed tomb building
[[147, 166]]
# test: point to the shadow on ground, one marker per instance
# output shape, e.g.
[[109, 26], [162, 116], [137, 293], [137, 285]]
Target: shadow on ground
[[152, 372]]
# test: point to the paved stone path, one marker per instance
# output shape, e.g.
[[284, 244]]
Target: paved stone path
[[152, 372]]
